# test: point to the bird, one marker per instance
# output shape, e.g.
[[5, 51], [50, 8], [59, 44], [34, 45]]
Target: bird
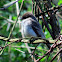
[[30, 27]]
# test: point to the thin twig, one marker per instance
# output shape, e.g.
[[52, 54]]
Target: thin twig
[[56, 55], [15, 21], [50, 9], [51, 49], [8, 5]]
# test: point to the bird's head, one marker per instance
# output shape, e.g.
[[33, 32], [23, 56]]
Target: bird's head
[[27, 15]]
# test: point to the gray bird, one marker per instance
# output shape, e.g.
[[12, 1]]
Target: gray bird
[[30, 26]]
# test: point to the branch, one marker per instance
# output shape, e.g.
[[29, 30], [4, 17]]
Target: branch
[[8, 5], [51, 49], [50, 9], [27, 41], [56, 55], [16, 20]]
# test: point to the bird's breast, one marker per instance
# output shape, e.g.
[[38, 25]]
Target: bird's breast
[[27, 30]]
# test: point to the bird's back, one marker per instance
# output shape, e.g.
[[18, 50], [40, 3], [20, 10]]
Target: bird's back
[[31, 28]]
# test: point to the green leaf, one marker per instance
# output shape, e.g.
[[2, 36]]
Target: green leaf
[[60, 2]]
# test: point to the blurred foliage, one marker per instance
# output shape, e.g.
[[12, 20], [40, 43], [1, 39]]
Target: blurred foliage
[[10, 53], [60, 2]]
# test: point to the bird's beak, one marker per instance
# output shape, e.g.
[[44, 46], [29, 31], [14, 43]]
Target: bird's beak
[[20, 18]]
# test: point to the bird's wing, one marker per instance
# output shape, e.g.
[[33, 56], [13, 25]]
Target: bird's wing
[[37, 28]]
